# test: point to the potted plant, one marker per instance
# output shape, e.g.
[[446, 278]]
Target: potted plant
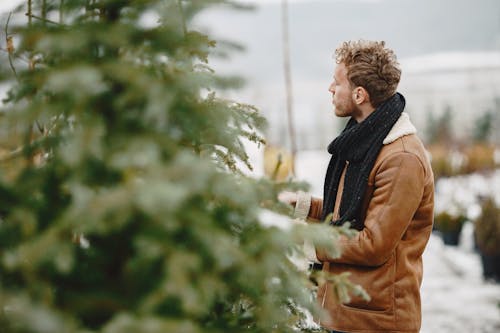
[[487, 236], [449, 225]]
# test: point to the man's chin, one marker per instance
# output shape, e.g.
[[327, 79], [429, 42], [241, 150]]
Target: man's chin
[[339, 113]]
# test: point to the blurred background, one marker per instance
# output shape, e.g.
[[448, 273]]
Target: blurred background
[[449, 52]]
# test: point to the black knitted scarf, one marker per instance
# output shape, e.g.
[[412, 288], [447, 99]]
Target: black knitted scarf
[[360, 144]]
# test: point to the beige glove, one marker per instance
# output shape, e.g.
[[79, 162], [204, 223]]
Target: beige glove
[[300, 200], [302, 203]]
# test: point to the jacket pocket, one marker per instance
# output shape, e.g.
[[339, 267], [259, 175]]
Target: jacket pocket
[[378, 283]]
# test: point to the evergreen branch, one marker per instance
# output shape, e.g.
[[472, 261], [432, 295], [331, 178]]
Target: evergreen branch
[[183, 20], [61, 8], [29, 13], [12, 154], [40, 127], [43, 19], [31, 157], [44, 10], [19, 57], [18, 151], [10, 47]]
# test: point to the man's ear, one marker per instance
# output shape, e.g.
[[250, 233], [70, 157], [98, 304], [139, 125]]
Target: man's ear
[[360, 95]]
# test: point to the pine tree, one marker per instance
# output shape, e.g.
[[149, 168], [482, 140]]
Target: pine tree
[[439, 128], [122, 205], [483, 127]]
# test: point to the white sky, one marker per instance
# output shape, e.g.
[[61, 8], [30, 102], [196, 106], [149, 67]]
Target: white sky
[[6, 6]]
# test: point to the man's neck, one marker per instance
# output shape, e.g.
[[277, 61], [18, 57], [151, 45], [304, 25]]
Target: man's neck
[[364, 110]]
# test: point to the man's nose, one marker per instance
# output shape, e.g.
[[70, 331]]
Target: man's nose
[[331, 88]]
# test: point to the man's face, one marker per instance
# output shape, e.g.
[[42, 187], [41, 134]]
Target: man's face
[[342, 93]]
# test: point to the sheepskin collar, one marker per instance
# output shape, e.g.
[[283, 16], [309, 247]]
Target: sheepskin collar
[[402, 127]]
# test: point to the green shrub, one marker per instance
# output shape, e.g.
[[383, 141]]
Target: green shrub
[[447, 222], [487, 228]]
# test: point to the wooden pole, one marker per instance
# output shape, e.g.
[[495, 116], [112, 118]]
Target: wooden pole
[[288, 81]]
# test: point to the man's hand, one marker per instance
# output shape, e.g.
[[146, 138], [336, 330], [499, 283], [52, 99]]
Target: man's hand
[[289, 198], [299, 200]]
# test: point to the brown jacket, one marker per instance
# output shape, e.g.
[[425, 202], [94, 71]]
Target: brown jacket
[[385, 258]]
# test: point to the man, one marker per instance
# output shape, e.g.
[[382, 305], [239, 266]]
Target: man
[[380, 180]]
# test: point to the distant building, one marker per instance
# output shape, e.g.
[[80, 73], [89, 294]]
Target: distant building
[[465, 84]]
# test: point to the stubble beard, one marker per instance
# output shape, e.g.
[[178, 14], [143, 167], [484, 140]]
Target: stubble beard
[[343, 110]]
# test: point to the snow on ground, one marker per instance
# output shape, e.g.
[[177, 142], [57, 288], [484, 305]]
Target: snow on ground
[[455, 298]]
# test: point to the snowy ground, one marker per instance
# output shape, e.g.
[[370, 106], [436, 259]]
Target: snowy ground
[[455, 298]]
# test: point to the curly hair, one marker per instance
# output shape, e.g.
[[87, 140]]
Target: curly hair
[[372, 66]]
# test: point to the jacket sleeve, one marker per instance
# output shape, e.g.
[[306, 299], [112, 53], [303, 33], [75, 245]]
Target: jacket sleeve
[[398, 190]]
